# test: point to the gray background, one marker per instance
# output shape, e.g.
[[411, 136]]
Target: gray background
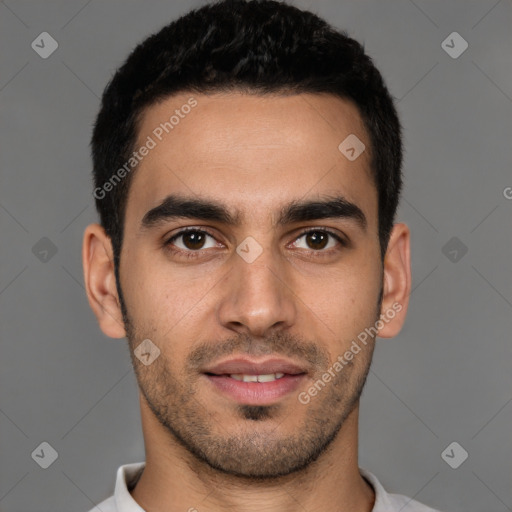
[[446, 377]]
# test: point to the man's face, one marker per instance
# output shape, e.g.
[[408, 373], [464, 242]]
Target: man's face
[[284, 294]]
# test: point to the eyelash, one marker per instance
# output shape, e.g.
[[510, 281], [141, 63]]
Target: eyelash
[[190, 254]]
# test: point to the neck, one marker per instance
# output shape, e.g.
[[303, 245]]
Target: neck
[[175, 480]]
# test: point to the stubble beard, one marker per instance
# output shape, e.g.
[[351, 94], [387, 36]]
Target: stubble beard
[[258, 450]]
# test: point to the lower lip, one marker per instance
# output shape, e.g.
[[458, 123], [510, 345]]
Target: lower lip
[[256, 393]]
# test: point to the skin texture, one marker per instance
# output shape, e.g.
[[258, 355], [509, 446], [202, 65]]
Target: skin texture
[[299, 300]]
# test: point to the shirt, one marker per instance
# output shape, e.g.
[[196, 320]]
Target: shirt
[[128, 474]]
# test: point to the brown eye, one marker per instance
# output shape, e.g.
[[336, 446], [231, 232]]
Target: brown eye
[[191, 240], [317, 239], [194, 240]]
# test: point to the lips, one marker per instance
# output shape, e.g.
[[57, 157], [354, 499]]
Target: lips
[[253, 382], [251, 367]]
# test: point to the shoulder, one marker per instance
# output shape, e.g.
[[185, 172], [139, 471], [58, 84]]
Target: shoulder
[[122, 501], [406, 504], [109, 505], [385, 502]]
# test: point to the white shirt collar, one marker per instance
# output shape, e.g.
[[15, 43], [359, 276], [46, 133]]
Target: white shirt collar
[[125, 476]]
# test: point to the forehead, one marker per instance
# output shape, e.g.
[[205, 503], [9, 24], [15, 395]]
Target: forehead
[[254, 153]]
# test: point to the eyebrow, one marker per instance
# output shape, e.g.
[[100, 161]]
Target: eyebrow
[[177, 206]]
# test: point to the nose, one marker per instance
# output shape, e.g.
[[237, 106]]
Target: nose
[[257, 297]]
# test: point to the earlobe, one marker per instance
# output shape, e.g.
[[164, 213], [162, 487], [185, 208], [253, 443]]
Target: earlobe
[[99, 278], [397, 282]]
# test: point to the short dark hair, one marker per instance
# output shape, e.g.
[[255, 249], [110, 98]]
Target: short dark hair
[[257, 47]]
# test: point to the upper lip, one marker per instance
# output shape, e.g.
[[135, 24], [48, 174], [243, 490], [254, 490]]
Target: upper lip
[[251, 367]]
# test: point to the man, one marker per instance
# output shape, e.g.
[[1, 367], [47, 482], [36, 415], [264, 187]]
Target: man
[[247, 168]]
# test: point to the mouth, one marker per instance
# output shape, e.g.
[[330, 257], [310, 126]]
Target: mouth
[[269, 377], [255, 383]]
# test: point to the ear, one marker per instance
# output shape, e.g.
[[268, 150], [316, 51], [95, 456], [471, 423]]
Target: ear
[[397, 282], [100, 281]]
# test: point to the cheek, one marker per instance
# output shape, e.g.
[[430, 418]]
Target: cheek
[[161, 298], [346, 302]]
